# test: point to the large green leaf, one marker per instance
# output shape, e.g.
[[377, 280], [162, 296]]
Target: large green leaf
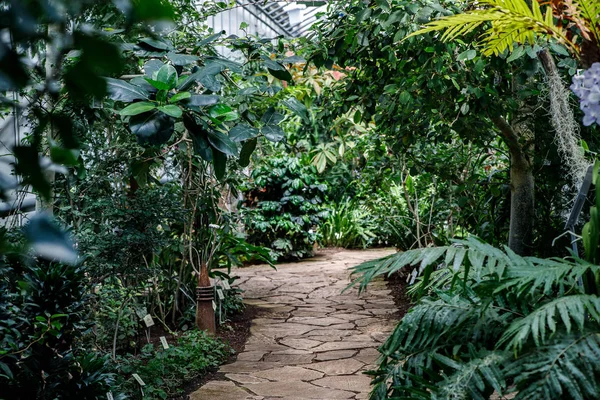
[[199, 134], [206, 76], [137, 108], [242, 132], [222, 143], [296, 106], [271, 117], [152, 66], [199, 100], [119, 90], [171, 110], [49, 241], [220, 164], [246, 152], [273, 133], [152, 127], [167, 75], [181, 59], [155, 44], [180, 96]]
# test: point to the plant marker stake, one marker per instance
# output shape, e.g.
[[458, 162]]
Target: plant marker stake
[[220, 294], [163, 341], [109, 396], [148, 320], [226, 285]]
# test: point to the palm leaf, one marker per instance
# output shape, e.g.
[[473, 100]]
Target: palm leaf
[[510, 22], [543, 321], [566, 368]]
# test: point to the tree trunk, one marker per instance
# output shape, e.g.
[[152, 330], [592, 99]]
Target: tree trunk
[[522, 187], [522, 205]]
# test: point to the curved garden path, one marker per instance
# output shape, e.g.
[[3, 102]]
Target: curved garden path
[[311, 341]]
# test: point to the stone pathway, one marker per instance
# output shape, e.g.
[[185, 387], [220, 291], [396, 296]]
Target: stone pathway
[[311, 341]]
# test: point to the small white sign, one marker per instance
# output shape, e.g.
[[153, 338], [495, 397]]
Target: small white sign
[[226, 285], [109, 396], [221, 295], [163, 341], [148, 320], [138, 379], [214, 305]]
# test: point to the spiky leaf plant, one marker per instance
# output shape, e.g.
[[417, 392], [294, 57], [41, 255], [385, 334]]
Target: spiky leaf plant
[[490, 321]]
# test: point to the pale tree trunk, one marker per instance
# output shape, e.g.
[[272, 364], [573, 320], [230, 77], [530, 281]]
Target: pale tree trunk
[[522, 187]]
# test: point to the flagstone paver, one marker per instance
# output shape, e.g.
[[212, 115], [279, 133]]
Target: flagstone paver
[[311, 341]]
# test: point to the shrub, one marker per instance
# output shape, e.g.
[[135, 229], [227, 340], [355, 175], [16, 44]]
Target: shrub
[[283, 206], [165, 371], [489, 320], [348, 225], [43, 316]]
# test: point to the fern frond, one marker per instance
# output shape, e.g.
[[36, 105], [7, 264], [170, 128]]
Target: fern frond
[[543, 321], [481, 258], [474, 379], [569, 367], [589, 10], [545, 275], [511, 21]]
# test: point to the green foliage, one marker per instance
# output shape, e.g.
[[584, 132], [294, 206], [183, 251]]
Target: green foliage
[[43, 318], [485, 318], [166, 371], [283, 206], [348, 225]]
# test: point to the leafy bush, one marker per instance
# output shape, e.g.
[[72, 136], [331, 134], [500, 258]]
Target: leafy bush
[[43, 316], [165, 371], [348, 225], [283, 206], [490, 321]]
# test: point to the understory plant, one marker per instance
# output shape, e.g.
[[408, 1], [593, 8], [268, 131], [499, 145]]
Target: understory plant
[[283, 206], [488, 320], [348, 225], [166, 371]]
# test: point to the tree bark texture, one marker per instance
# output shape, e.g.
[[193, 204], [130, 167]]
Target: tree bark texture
[[522, 186]]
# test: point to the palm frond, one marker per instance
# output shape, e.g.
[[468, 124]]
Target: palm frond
[[510, 22], [566, 368], [480, 258], [474, 379], [542, 322], [589, 10]]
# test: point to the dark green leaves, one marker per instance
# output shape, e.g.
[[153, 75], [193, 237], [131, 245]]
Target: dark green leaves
[[273, 133], [152, 127], [49, 241], [137, 108], [271, 117], [199, 100], [242, 132], [296, 106], [277, 70], [220, 164], [120, 90], [222, 143], [247, 150]]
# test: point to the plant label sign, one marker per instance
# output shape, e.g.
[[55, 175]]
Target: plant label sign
[[138, 379], [163, 341], [148, 320], [214, 305], [226, 285], [221, 295], [109, 396]]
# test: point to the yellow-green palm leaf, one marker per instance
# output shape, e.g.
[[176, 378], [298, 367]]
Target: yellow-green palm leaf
[[511, 21]]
